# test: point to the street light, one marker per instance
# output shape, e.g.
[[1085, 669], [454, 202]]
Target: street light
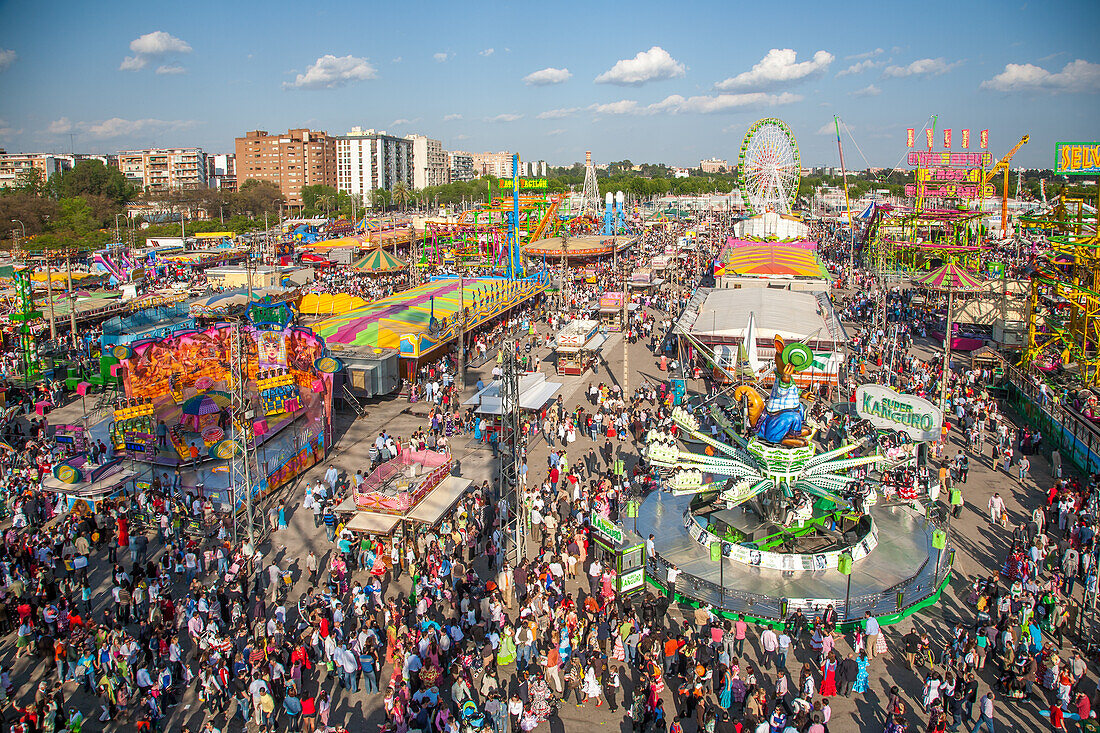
[[16, 221]]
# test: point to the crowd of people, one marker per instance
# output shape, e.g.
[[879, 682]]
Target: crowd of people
[[144, 602]]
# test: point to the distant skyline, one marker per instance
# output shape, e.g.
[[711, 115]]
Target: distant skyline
[[648, 82]]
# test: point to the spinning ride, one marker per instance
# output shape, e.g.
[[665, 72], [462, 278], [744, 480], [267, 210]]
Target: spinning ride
[[769, 167], [799, 509], [766, 524]]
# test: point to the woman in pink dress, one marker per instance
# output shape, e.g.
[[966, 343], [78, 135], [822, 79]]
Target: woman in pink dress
[[828, 676]]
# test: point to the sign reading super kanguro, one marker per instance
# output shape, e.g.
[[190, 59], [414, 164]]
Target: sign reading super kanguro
[[888, 410], [607, 529]]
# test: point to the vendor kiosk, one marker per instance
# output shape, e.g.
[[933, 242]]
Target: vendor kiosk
[[576, 344], [611, 311], [621, 550]]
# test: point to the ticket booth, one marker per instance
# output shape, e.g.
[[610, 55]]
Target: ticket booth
[[576, 344], [611, 311], [622, 550]]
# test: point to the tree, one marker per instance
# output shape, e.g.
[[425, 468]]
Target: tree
[[77, 217], [29, 181], [257, 197], [400, 194], [92, 177], [317, 199]]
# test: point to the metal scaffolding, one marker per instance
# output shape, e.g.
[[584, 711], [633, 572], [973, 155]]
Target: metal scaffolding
[[243, 464], [511, 453]]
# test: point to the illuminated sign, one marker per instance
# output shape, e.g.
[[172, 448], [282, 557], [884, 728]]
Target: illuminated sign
[[1077, 159], [948, 190], [966, 138], [527, 184], [947, 159]]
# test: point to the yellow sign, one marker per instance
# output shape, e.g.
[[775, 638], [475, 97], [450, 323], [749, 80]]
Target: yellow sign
[[525, 183], [1077, 159]]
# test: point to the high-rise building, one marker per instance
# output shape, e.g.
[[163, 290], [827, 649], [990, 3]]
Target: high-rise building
[[292, 160], [163, 169], [221, 171], [368, 159], [429, 162], [460, 167], [714, 165]]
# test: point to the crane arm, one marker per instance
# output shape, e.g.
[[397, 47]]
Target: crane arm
[[1002, 164]]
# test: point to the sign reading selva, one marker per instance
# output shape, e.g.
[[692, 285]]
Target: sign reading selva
[[889, 410], [1077, 159]]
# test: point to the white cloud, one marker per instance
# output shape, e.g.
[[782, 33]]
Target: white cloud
[[452, 117], [7, 131], [150, 46], [865, 55], [330, 72], [778, 67], [171, 69], [486, 52], [702, 104], [549, 75], [400, 121], [440, 57], [462, 136], [62, 126], [396, 60], [859, 67], [921, 67], [829, 128], [868, 91], [7, 58], [558, 131], [652, 65], [505, 117], [1076, 76], [119, 127], [721, 102], [622, 107], [557, 114]]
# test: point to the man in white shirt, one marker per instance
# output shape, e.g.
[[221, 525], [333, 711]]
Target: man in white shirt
[[670, 579], [769, 642]]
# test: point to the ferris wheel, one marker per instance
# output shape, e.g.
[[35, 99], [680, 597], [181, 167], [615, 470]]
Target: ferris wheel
[[769, 167]]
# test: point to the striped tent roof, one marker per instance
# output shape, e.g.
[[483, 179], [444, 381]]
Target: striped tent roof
[[949, 277], [774, 259], [378, 260]]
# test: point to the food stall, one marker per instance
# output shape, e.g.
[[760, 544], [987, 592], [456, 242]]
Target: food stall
[[576, 344], [621, 550], [611, 310]]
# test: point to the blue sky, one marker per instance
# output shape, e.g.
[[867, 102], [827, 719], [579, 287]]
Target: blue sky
[[656, 82]]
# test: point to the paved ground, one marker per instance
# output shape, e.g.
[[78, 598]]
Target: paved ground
[[981, 550]]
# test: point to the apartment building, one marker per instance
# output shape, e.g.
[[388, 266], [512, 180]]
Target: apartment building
[[163, 169], [221, 171], [429, 161], [460, 167], [290, 160], [13, 165], [371, 159]]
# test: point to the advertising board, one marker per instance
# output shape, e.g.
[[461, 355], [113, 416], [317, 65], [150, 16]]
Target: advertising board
[[889, 410]]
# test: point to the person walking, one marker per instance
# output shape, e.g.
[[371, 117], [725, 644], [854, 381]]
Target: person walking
[[870, 633], [985, 713]]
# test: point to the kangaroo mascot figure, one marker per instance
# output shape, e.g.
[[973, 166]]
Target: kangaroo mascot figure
[[781, 419]]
